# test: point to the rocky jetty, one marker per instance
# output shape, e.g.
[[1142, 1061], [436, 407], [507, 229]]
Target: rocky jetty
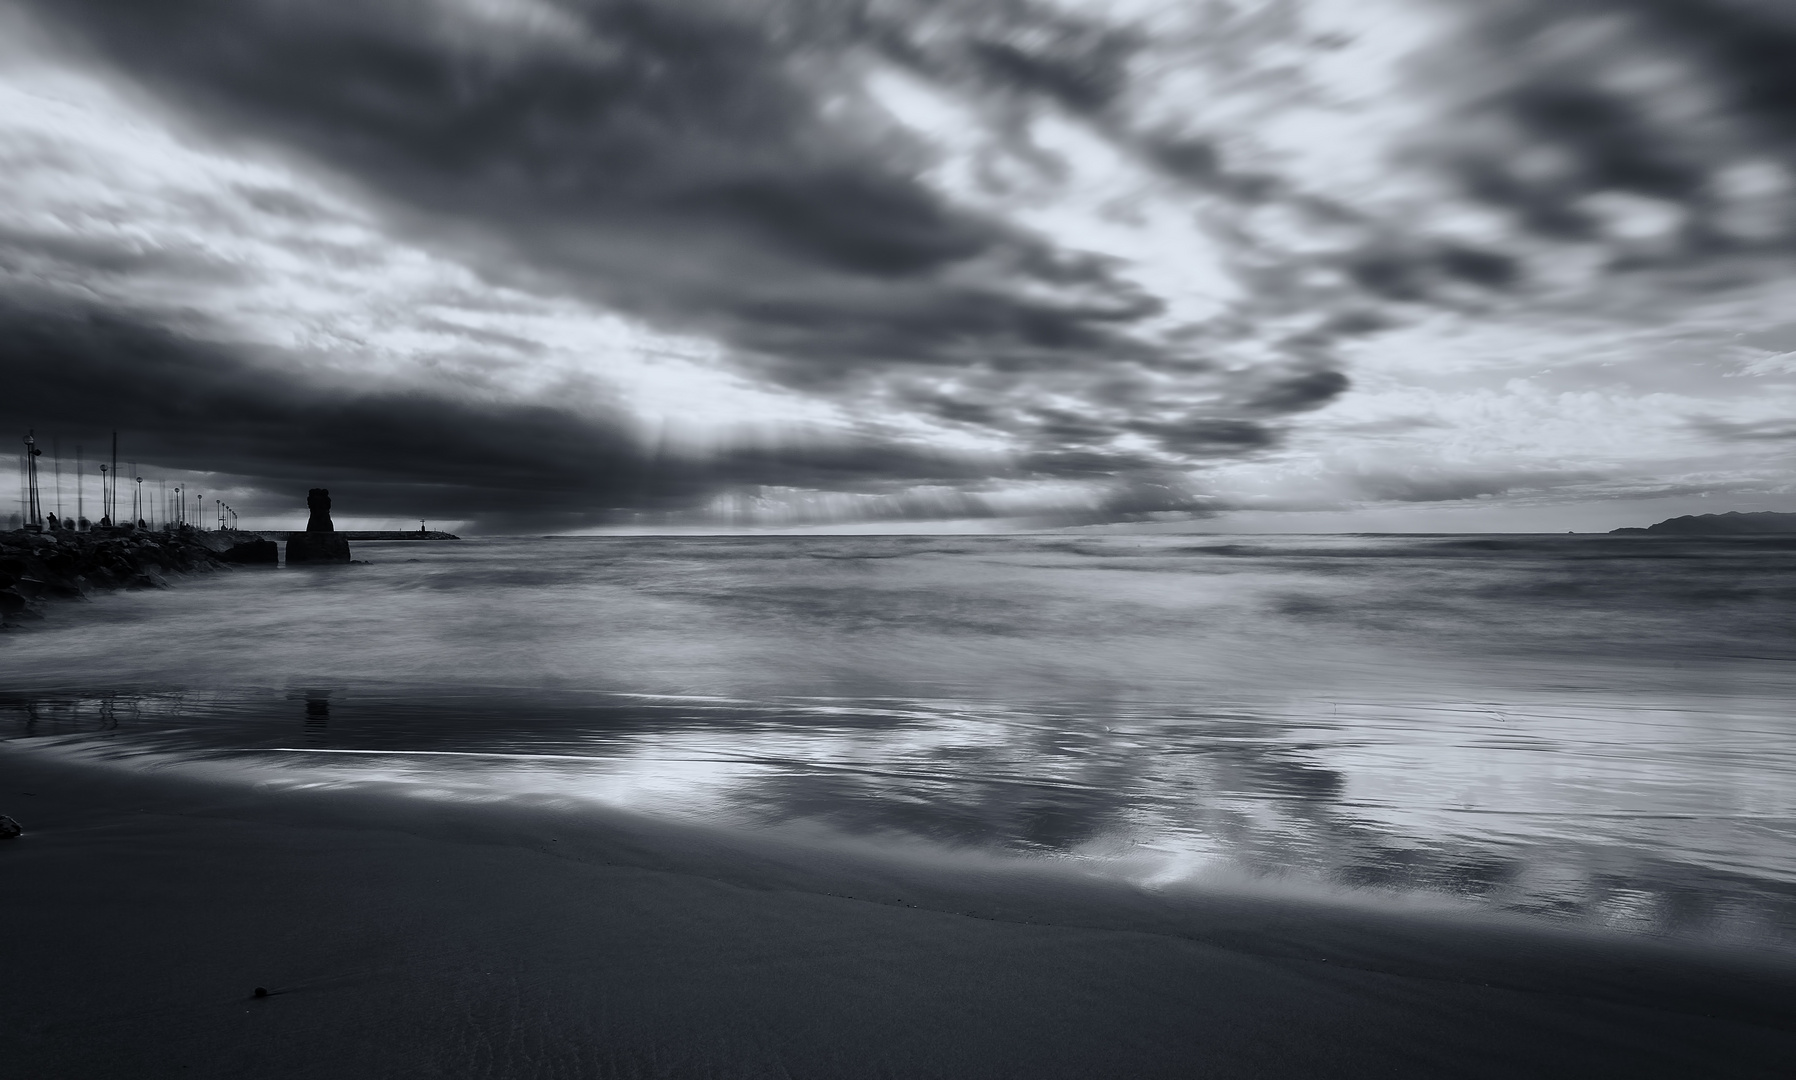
[[39, 567], [1732, 523], [253, 552]]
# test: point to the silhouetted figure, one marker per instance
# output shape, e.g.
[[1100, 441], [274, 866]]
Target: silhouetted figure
[[318, 501]]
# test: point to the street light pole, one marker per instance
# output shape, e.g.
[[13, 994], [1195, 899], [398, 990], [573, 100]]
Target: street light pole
[[34, 513]]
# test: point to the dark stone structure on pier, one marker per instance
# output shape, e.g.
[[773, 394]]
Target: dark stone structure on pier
[[320, 543], [318, 501]]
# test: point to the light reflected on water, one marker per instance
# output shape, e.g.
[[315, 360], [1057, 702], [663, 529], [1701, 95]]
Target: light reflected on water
[[1589, 816], [1566, 730]]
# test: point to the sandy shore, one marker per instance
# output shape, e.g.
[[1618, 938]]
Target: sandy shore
[[411, 938]]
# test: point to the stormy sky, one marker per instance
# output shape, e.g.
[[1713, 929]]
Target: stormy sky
[[571, 265]]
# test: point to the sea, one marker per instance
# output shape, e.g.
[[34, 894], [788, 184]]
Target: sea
[[1592, 731]]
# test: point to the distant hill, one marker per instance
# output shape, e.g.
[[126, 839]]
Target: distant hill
[[1732, 523]]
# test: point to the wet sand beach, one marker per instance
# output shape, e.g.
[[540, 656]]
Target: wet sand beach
[[407, 938]]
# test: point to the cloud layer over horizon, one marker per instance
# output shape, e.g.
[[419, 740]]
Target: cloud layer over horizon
[[570, 264]]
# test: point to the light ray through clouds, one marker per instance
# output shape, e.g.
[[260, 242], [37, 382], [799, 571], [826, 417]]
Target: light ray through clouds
[[580, 264]]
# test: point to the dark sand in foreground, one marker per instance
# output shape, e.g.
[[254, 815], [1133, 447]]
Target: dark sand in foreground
[[405, 938]]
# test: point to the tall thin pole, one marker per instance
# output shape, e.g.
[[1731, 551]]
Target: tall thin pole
[[80, 491], [56, 465], [35, 510], [113, 505]]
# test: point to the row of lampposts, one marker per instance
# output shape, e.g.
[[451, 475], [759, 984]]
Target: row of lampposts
[[175, 511]]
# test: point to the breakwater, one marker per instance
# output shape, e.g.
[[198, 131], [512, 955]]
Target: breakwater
[[36, 568], [283, 534]]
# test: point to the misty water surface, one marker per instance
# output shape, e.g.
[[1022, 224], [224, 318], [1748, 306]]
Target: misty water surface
[[1583, 728]]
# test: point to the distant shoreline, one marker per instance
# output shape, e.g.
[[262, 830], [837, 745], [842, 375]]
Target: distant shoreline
[[1732, 523]]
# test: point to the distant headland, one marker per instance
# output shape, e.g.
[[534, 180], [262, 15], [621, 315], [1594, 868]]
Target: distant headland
[[1732, 523]]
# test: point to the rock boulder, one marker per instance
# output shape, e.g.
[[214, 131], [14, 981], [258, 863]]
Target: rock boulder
[[253, 552]]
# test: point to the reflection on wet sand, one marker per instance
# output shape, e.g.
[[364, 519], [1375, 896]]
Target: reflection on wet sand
[[318, 718], [1566, 813]]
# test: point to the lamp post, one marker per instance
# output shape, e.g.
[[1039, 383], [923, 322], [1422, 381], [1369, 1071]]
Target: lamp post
[[105, 497], [34, 511], [137, 506]]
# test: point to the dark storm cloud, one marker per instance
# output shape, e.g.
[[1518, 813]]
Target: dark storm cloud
[[1206, 436], [1772, 431], [680, 160], [1080, 64], [78, 371], [1658, 99], [1419, 276], [1441, 485], [1085, 464], [1311, 390], [675, 159]]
